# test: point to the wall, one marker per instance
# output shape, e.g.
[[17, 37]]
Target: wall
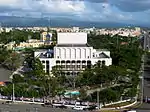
[[73, 53], [52, 62]]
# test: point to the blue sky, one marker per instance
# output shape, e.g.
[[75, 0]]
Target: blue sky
[[125, 11]]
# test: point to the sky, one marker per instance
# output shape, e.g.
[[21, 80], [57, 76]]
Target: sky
[[123, 11]]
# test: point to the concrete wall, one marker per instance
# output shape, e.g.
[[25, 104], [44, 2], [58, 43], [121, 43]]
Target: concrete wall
[[62, 53]]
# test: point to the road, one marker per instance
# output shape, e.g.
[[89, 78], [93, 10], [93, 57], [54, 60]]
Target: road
[[145, 107], [31, 108]]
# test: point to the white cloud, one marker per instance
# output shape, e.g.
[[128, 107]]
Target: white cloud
[[6, 2], [77, 9]]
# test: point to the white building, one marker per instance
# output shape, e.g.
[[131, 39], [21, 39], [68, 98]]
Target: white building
[[76, 29], [46, 36], [73, 54]]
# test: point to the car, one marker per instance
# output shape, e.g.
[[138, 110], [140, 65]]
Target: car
[[8, 102], [93, 107], [78, 108], [62, 106], [129, 111], [59, 105]]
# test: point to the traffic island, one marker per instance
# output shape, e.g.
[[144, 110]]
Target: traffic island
[[118, 105]]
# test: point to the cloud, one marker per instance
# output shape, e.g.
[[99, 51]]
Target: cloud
[[131, 5], [97, 1], [85, 10]]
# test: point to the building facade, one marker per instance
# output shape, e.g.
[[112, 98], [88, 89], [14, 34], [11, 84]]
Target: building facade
[[72, 54]]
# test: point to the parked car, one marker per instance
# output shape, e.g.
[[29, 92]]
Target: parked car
[[129, 111], [8, 102], [59, 105], [78, 108], [92, 107]]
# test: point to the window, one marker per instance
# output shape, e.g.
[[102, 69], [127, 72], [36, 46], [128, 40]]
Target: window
[[78, 61], [84, 61], [57, 56], [57, 62], [78, 66], [89, 64], [103, 62], [67, 61]]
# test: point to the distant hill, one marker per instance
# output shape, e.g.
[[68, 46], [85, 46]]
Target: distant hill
[[13, 21]]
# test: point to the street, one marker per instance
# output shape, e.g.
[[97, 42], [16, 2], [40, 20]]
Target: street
[[30, 108], [145, 107]]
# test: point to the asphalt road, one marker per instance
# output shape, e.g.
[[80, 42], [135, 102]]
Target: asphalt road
[[31, 108], [145, 107]]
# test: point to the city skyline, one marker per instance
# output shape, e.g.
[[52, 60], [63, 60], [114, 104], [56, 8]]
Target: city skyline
[[122, 11]]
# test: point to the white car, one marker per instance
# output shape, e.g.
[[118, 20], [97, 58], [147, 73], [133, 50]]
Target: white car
[[78, 108], [131, 111]]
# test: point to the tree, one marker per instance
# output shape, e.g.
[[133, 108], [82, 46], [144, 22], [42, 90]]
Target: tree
[[131, 92], [37, 68], [85, 78], [57, 70], [4, 54], [83, 94], [108, 95], [13, 61], [18, 78]]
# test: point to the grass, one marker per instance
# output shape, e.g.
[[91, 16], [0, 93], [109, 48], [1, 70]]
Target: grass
[[118, 105]]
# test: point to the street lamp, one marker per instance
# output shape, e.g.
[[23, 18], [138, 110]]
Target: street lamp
[[13, 93], [142, 79], [98, 104], [142, 89], [13, 89]]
